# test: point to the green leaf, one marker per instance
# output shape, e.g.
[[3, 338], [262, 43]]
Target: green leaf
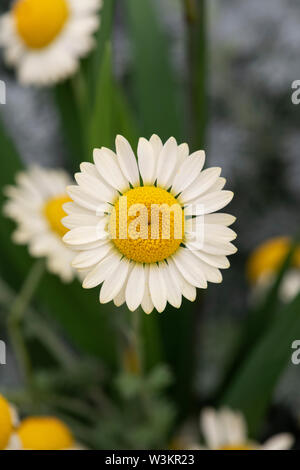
[[197, 63], [252, 388], [153, 79], [101, 127]]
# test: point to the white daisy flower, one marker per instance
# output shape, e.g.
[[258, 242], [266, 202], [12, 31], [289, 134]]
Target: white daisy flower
[[44, 433], [8, 423], [134, 226], [226, 430], [44, 39], [36, 205]]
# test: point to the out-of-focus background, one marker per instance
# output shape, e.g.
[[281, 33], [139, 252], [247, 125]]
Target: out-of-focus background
[[252, 133]]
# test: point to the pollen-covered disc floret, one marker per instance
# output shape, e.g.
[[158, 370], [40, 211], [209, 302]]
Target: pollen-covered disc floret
[[36, 205], [150, 226], [226, 429], [145, 228], [45, 39]]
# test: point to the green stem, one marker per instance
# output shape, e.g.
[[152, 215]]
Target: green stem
[[15, 318], [190, 10]]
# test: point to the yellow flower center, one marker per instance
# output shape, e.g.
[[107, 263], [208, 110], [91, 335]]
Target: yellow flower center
[[237, 447], [39, 22], [54, 212], [147, 224], [268, 257], [44, 433], [6, 424]]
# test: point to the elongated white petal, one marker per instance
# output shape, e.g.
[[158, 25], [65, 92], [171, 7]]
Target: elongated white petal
[[95, 188], [157, 145], [147, 161], [202, 183], [220, 262], [89, 168], [219, 219], [211, 429], [127, 160], [182, 153], [135, 287], [147, 304], [225, 249], [101, 271], [209, 203], [157, 288], [173, 291], [283, 441], [86, 201], [77, 220], [108, 167], [167, 163], [87, 259], [190, 269], [114, 283], [188, 171], [89, 234], [218, 233], [188, 290]]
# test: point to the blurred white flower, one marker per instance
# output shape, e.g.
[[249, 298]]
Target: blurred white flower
[[35, 204], [226, 430], [44, 40]]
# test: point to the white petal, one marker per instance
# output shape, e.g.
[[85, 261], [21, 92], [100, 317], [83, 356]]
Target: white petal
[[188, 291], [87, 259], [157, 145], [218, 234], [95, 188], [173, 291], [234, 427], [89, 234], [188, 171], [101, 271], [83, 200], [282, 441], [219, 219], [78, 220], [108, 167], [147, 304], [202, 183], [182, 153], [225, 249], [89, 168], [114, 283], [157, 288], [135, 287], [210, 426], [208, 203], [127, 161], [167, 163], [147, 161], [220, 262], [189, 267]]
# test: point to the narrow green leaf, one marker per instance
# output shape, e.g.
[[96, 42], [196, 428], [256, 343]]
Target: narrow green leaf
[[101, 128], [195, 11], [153, 79], [252, 388]]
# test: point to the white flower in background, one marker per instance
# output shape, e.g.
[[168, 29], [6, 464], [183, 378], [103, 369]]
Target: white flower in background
[[44, 39], [227, 430], [8, 423], [125, 241], [35, 204], [264, 264], [44, 433]]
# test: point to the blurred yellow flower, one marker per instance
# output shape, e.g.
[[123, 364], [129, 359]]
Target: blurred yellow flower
[[8, 421], [35, 204], [44, 39], [264, 263], [45, 433]]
